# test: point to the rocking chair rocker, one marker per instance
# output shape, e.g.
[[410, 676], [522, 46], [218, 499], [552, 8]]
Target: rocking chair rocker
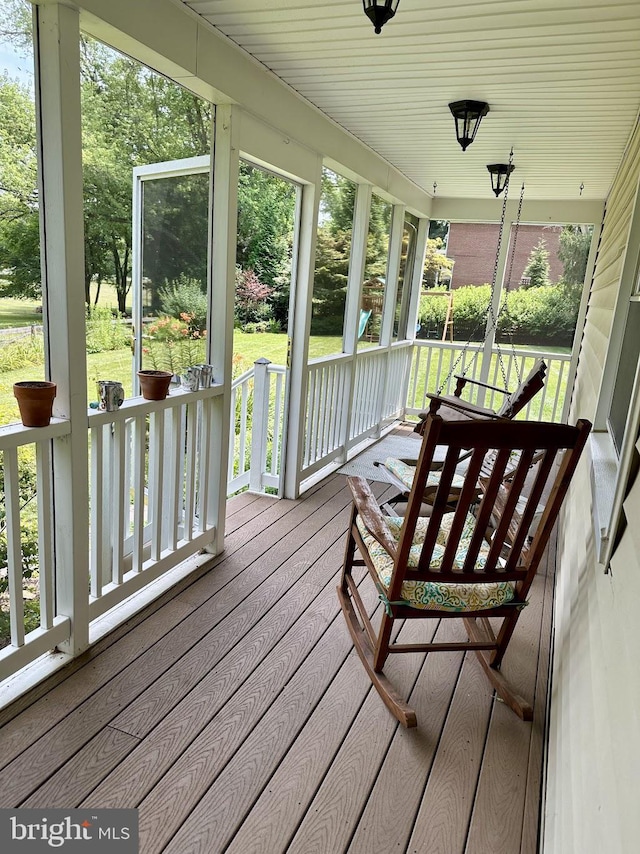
[[457, 564]]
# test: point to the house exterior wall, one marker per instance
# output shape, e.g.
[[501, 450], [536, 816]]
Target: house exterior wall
[[594, 745], [472, 246]]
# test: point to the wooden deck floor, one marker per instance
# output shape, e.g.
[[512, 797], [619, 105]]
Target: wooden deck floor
[[236, 716]]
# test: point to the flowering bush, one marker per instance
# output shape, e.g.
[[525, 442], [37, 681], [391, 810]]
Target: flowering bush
[[251, 303], [185, 296], [170, 344]]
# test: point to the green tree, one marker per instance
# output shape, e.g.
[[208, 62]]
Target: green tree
[[575, 242], [133, 117], [438, 229], [537, 269], [333, 249], [19, 228], [437, 267], [266, 208]]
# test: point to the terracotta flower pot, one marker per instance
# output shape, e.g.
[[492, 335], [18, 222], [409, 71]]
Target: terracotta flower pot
[[154, 384], [35, 401]]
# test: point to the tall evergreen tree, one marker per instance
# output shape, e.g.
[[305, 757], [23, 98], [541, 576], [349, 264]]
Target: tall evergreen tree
[[537, 269]]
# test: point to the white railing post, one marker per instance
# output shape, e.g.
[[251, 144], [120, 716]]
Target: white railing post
[[259, 424], [61, 206]]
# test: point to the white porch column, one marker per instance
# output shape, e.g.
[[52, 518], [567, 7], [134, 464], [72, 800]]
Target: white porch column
[[62, 241], [225, 159], [357, 263], [299, 326], [389, 305], [393, 271], [414, 280]]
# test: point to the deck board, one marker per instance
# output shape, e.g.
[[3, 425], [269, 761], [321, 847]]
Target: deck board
[[235, 715]]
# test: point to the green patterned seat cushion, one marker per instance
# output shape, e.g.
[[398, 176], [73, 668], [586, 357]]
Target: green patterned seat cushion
[[405, 473], [430, 595]]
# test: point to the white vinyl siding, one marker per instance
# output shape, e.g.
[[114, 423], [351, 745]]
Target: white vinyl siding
[[594, 736]]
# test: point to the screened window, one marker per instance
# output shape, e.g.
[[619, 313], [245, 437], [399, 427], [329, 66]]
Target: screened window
[[333, 252], [407, 261], [375, 273]]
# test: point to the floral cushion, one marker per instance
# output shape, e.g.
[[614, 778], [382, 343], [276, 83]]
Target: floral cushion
[[433, 595], [405, 472]]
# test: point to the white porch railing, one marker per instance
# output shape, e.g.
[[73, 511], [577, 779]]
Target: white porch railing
[[431, 368], [54, 628], [328, 392], [350, 397], [149, 492], [257, 428]]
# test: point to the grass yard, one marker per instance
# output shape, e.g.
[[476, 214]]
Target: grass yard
[[19, 312], [116, 365]]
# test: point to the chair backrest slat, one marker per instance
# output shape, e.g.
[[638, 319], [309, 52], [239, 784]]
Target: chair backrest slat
[[440, 505], [506, 505], [542, 473], [485, 510]]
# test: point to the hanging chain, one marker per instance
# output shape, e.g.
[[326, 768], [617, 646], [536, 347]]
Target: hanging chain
[[489, 309], [515, 236], [505, 307], [494, 316]]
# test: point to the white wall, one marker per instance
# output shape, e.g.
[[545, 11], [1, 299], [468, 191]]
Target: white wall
[[594, 751]]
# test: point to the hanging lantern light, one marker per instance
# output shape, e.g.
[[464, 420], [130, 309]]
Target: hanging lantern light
[[468, 115], [499, 176], [379, 12]]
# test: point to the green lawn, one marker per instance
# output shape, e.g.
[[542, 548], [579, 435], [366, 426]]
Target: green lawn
[[116, 365], [19, 312]]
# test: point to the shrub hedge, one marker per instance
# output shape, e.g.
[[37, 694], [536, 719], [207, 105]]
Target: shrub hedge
[[543, 315]]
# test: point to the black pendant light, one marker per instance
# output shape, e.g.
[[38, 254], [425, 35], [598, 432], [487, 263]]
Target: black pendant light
[[379, 12], [499, 176], [468, 115]]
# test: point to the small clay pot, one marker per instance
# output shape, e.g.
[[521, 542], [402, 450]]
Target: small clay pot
[[35, 401], [154, 384]]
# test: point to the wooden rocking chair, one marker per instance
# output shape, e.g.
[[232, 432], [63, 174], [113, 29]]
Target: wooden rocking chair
[[457, 564]]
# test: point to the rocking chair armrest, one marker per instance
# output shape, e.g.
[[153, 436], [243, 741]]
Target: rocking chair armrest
[[371, 514], [504, 391]]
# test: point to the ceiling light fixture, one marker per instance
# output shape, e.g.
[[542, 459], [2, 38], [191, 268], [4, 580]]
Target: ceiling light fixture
[[500, 176], [379, 12], [468, 115]]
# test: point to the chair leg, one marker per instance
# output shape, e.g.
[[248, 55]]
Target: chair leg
[[393, 701], [382, 646], [349, 553], [503, 689]]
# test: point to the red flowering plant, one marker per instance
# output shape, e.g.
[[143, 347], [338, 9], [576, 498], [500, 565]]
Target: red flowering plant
[[172, 344]]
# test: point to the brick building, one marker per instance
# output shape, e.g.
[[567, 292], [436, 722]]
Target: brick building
[[472, 246]]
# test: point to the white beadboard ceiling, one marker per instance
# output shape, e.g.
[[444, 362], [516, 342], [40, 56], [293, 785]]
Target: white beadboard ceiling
[[562, 78]]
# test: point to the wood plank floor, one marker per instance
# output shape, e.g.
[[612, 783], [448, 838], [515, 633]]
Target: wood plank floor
[[236, 716]]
